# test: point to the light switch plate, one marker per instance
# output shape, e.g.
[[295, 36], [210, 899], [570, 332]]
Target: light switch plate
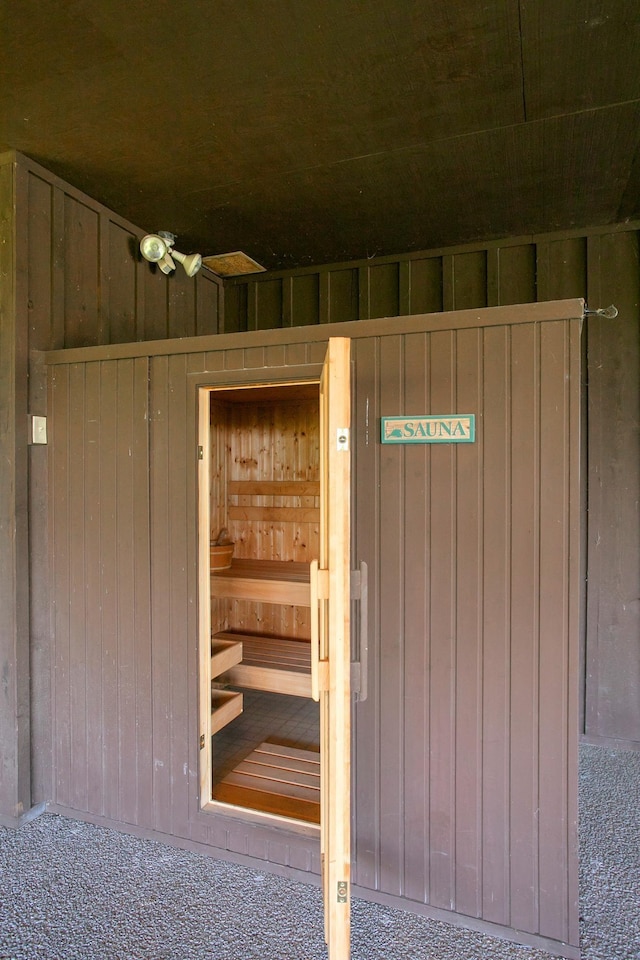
[[38, 429]]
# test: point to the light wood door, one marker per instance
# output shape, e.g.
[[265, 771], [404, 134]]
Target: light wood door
[[331, 658]]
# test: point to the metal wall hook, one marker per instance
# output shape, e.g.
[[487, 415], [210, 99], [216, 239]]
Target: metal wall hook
[[609, 313]]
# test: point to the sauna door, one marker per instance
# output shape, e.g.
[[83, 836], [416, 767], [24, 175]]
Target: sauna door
[[330, 639]]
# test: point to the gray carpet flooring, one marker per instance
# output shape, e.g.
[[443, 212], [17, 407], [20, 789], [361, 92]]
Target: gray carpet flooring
[[73, 891]]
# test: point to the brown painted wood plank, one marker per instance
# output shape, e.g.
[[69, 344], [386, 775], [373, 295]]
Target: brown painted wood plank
[[135, 603], [525, 577], [78, 745], [82, 320], [554, 680], [182, 680], [442, 504], [59, 559], [121, 283], [469, 586], [613, 622], [417, 580], [160, 493], [391, 600], [496, 606]]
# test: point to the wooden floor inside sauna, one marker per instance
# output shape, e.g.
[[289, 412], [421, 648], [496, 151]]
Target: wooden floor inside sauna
[[268, 758]]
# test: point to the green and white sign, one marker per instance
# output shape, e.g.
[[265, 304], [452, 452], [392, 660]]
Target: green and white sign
[[454, 428]]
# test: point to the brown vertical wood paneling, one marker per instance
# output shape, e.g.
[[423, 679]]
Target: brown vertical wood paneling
[[94, 416], [390, 599], [469, 677], [170, 600], [343, 296], [15, 787], [77, 785], [38, 255], [235, 308], [469, 280], [417, 562], [553, 661], [83, 323], [154, 324], [442, 626], [383, 290], [426, 285], [268, 305], [132, 626], [496, 429], [100, 553], [613, 612], [516, 274], [121, 270], [562, 268], [59, 560], [207, 306], [524, 623], [181, 304], [304, 301]]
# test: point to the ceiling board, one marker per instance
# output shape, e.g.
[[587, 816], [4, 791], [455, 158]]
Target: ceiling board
[[330, 129]]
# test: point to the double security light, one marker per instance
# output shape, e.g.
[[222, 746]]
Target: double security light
[[158, 248]]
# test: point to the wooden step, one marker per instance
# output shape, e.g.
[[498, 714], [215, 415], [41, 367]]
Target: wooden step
[[265, 581], [270, 663], [225, 653], [275, 779], [226, 705]]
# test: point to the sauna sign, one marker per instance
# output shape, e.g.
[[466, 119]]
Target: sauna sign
[[454, 428]]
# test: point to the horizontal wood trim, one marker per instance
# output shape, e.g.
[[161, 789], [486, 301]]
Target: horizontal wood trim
[[276, 514], [549, 310], [273, 488]]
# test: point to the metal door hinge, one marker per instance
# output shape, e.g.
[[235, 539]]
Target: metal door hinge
[[200, 452], [202, 741]]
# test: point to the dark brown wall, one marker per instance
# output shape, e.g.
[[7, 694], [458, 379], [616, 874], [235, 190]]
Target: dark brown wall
[[71, 276], [466, 750], [15, 773], [598, 265]]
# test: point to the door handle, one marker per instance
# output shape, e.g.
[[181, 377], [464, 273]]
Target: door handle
[[360, 668], [315, 630], [319, 591]]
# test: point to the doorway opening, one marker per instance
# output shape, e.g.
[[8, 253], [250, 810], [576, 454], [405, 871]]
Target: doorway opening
[[259, 492]]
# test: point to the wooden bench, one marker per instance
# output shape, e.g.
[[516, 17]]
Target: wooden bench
[[269, 663]]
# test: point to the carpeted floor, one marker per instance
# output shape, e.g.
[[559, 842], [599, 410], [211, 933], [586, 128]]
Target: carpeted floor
[[73, 891]]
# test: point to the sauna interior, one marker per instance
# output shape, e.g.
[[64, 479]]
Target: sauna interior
[[264, 498]]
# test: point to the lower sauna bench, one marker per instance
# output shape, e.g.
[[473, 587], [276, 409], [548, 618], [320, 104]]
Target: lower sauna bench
[[275, 779], [226, 705], [269, 663]]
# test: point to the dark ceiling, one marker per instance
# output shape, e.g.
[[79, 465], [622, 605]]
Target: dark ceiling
[[313, 131]]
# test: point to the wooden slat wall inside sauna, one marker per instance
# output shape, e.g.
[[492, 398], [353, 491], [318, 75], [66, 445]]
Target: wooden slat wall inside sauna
[[274, 441]]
